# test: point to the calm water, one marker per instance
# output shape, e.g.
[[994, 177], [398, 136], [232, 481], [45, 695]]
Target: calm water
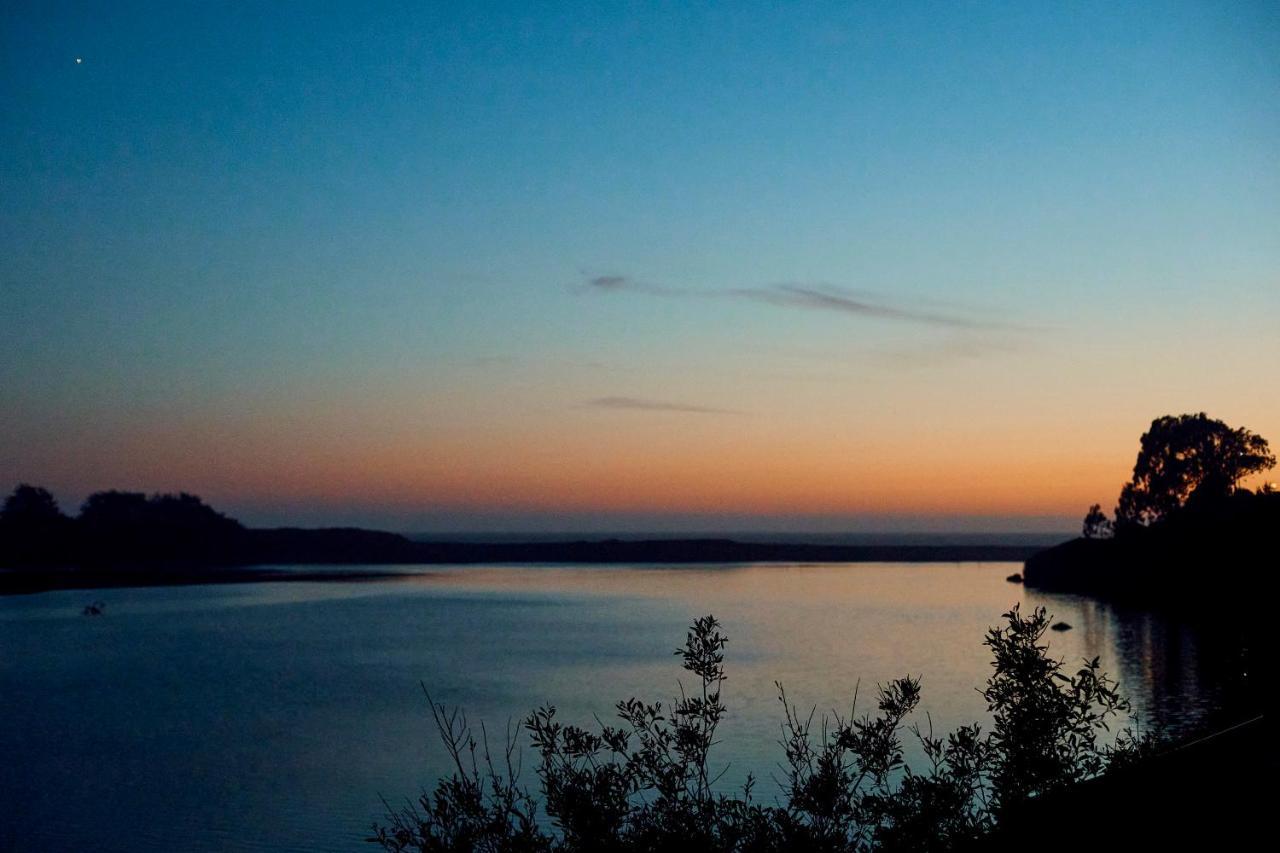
[[272, 716]]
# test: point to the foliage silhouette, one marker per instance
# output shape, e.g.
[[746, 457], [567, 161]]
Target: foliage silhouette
[[1185, 458], [115, 527], [1096, 524], [32, 526], [134, 526], [1183, 512], [30, 505], [648, 784]]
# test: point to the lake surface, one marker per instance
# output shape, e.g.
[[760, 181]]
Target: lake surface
[[273, 716]]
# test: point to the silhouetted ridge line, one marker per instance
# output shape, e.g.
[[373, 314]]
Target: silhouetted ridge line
[[130, 539]]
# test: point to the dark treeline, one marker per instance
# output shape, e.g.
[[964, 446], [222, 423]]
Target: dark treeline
[[115, 525], [118, 531], [127, 538]]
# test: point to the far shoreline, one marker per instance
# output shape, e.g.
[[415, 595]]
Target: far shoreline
[[308, 550], [34, 581]]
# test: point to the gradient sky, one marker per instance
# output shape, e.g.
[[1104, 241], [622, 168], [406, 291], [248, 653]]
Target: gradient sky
[[627, 266]]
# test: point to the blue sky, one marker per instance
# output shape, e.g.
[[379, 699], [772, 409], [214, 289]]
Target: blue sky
[[264, 252]]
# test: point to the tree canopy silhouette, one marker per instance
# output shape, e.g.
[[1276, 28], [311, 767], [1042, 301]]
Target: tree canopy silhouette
[[30, 505], [32, 526], [135, 525], [124, 509], [1185, 458], [1096, 524]]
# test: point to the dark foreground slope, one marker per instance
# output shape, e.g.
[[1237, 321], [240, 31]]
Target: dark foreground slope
[[1214, 793]]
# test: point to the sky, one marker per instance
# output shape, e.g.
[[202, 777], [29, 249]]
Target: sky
[[632, 266]]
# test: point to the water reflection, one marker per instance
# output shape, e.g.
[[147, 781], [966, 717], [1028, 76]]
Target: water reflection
[[273, 716], [1179, 667]]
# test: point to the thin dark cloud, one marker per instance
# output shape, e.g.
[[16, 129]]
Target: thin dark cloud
[[610, 282], [812, 297], [626, 284], [845, 302], [645, 405]]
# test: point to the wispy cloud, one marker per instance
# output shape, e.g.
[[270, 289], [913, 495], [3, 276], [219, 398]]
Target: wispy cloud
[[623, 283], [845, 302], [642, 404], [813, 297], [610, 282]]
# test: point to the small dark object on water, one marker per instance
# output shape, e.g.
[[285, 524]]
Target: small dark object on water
[[94, 609], [1014, 578], [1060, 626]]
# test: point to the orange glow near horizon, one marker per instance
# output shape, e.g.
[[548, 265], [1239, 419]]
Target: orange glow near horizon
[[586, 463], [1021, 439]]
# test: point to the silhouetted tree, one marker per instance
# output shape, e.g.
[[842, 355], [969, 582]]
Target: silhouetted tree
[[116, 509], [113, 510], [1096, 524], [131, 525], [1185, 457], [32, 527], [1046, 723], [30, 505]]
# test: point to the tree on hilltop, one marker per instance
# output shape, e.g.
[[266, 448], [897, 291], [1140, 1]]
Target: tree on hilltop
[[1185, 458]]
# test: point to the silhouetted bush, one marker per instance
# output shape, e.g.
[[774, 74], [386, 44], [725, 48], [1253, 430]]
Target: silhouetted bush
[[648, 784]]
